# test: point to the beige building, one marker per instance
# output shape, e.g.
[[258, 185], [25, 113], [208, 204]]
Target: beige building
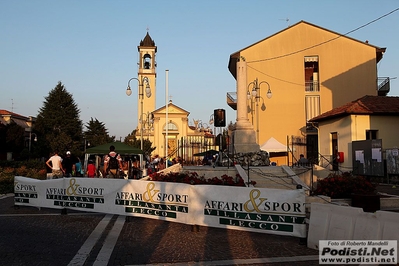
[[6, 118], [167, 127], [367, 118], [309, 70]]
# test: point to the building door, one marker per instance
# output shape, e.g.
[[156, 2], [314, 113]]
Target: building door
[[172, 146], [312, 148], [334, 146]]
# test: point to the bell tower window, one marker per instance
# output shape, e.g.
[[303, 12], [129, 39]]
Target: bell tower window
[[147, 61]]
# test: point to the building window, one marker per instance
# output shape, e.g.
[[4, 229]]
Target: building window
[[147, 61], [371, 134], [312, 109], [311, 66], [171, 127]]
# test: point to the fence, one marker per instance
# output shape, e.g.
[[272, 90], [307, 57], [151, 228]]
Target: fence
[[188, 146]]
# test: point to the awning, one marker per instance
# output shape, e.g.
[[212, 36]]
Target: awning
[[121, 148], [272, 145]]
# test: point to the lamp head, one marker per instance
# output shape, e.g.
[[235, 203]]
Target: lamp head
[[148, 90], [269, 94], [128, 91], [254, 92]]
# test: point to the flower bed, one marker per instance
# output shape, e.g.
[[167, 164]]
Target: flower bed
[[338, 186], [194, 179]]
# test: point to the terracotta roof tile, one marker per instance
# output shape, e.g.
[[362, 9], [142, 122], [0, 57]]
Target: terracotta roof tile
[[372, 105], [8, 113]]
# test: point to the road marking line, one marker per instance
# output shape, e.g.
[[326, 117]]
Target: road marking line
[[85, 250], [109, 244]]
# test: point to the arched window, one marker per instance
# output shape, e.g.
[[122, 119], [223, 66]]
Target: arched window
[[171, 127], [147, 61]]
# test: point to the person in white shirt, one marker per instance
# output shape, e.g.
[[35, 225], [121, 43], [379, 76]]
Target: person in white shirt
[[56, 165]]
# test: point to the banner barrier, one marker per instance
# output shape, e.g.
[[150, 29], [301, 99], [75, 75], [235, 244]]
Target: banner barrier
[[273, 211]]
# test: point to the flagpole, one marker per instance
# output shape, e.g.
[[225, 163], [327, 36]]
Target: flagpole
[[167, 111]]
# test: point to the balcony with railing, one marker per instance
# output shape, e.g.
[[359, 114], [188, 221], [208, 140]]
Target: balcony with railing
[[383, 86], [232, 100], [312, 86]]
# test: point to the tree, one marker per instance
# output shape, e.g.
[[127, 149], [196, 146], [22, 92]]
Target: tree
[[132, 140], [58, 123], [96, 133]]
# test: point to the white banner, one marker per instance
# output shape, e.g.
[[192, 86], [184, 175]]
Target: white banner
[[272, 211]]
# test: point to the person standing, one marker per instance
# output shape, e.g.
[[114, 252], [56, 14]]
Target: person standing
[[78, 168], [302, 160], [161, 163], [69, 164], [56, 166], [155, 162], [135, 168], [112, 163], [91, 169]]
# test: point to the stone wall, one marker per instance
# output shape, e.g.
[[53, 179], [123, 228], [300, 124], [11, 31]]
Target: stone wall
[[260, 158]]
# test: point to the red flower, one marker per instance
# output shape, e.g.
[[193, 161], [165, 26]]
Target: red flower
[[344, 185], [193, 178]]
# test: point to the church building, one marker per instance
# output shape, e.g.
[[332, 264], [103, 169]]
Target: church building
[[166, 127]]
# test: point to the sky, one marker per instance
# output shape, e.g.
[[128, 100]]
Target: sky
[[91, 47]]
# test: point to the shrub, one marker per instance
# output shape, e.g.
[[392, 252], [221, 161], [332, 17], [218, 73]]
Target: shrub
[[8, 173], [344, 185], [6, 180]]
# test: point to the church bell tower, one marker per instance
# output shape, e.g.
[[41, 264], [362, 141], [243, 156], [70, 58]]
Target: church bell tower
[[147, 75]]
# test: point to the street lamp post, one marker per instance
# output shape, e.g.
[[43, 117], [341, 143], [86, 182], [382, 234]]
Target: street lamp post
[[30, 139], [211, 122], [147, 120], [202, 127], [87, 144], [141, 97], [251, 108], [255, 93]]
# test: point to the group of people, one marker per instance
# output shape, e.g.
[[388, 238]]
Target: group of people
[[158, 163], [114, 166], [69, 166]]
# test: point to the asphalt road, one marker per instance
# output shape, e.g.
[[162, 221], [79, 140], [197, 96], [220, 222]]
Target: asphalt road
[[32, 236]]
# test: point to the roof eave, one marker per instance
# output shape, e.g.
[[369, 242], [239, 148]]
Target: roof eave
[[232, 66], [380, 53]]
